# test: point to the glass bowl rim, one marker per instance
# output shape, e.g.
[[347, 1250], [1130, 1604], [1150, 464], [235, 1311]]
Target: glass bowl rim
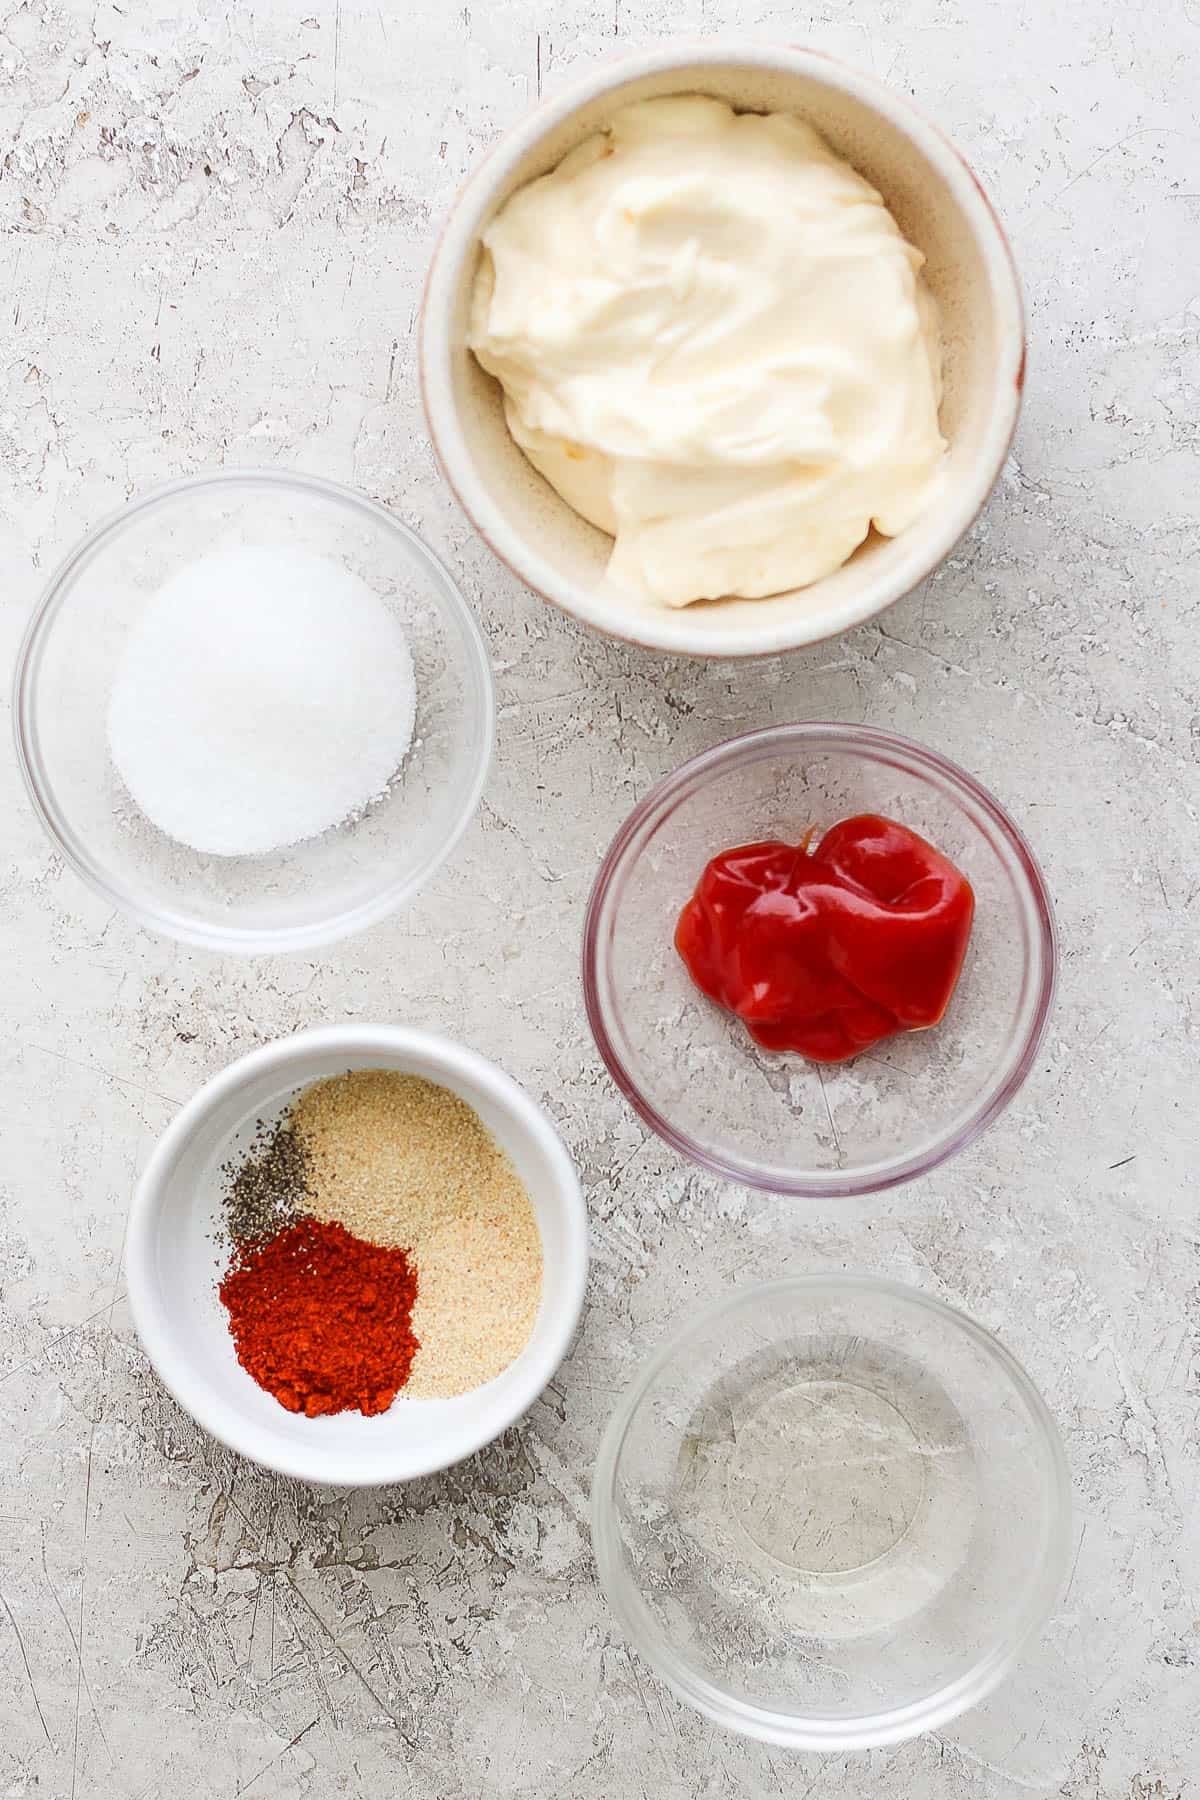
[[686, 780], [891, 1725], [169, 921]]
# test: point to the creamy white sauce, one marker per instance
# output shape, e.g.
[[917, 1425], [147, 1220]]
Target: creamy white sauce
[[716, 344]]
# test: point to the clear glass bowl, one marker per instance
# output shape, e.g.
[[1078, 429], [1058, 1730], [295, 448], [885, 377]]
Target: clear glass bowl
[[312, 892], [830, 1511], [777, 1121]]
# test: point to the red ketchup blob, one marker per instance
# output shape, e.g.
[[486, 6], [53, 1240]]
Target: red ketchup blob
[[827, 950]]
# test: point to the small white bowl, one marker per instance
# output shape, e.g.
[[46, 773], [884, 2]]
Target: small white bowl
[[177, 1251], [941, 208]]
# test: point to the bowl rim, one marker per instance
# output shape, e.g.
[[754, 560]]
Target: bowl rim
[[901, 751], [171, 921], [768, 1724], [457, 241], [563, 1299]]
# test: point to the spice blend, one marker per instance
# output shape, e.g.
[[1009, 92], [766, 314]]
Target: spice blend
[[382, 1241]]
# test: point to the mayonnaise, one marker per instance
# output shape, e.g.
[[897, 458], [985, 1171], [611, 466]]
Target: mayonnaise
[[715, 343]]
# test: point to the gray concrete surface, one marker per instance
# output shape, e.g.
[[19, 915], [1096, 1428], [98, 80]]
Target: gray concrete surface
[[215, 219]]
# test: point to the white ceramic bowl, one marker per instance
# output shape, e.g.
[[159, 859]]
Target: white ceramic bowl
[[939, 205], [177, 1251]]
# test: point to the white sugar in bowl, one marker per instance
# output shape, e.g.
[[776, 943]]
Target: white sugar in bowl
[[107, 672]]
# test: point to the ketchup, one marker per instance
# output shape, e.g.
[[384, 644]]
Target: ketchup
[[828, 949]]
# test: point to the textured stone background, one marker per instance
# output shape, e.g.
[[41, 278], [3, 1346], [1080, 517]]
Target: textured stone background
[[215, 218]]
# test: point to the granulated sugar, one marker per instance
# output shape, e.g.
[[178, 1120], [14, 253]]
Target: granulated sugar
[[265, 695], [403, 1162]]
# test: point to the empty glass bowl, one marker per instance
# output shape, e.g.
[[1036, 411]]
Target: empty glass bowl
[[312, 892], [776, 1120], [830, 1511]]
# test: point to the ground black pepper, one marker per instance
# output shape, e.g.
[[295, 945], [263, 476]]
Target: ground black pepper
[[270, 1188]]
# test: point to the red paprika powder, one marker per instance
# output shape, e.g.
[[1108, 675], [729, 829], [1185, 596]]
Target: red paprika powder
[[321, 1319]]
